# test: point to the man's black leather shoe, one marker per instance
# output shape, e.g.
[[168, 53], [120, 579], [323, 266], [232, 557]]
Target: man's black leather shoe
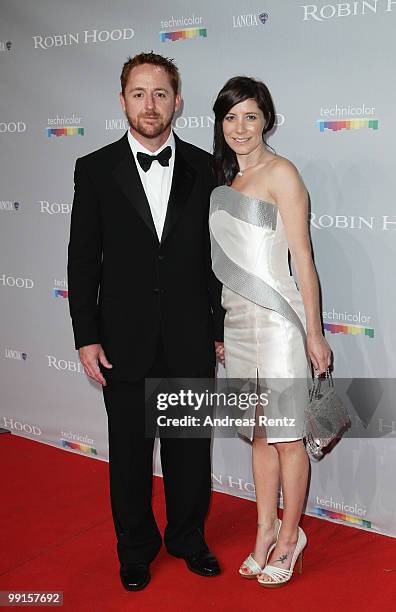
[[204, 564], [134, 576]]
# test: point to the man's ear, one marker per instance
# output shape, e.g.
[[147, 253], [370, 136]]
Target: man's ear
[[178, 101], [122, 101]]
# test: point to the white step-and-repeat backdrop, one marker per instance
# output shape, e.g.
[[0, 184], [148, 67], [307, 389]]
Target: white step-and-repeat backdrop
[[330, 69]]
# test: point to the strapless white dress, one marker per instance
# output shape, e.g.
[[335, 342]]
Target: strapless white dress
[[264, 327]]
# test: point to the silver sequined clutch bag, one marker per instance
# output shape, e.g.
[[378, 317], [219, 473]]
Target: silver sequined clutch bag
[[326, 418]]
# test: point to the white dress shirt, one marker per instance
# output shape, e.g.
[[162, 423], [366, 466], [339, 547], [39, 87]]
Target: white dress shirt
[[156, 181]]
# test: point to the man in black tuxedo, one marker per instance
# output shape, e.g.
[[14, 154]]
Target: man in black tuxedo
[[144, 303]]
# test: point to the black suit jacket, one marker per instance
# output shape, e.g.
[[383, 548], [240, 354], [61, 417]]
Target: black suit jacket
[[126, 289]]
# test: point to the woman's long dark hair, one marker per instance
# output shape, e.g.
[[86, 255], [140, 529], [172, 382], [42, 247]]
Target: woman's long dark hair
[[236, 90]]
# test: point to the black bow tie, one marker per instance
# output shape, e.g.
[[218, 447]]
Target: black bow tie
[[163, 158]]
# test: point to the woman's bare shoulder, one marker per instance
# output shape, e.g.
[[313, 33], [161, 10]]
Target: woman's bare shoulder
[[281, 167], [284, 182]]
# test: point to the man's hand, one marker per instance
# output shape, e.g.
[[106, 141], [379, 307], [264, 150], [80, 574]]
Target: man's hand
[[219, 347], [90, 356]]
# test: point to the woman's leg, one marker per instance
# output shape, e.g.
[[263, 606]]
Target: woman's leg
[[294, 466], [266, 475]]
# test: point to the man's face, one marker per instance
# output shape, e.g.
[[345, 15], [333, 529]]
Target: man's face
[[149, 101]]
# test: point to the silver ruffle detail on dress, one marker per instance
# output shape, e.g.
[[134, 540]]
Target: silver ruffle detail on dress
[[257, 212], [252, 287]]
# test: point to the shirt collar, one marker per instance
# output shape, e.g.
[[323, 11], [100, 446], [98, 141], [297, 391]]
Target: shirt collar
[[137, 147]]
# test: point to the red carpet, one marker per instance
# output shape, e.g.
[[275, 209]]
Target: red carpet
[[57, 534]]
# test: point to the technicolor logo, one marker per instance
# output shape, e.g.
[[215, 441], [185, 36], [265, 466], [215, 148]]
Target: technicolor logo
[[349, 330], [64, 126], [338, 510], [342, 516], [83, 448], [336, 118], [195, 29], [60, 288], [186, 34], [61, 293], [65, 131], [347, 124], [348, 323]]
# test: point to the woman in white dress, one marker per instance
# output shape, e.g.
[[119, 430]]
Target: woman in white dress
[[272, 330]]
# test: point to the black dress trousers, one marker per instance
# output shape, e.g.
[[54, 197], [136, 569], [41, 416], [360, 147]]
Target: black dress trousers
[[186, 470]]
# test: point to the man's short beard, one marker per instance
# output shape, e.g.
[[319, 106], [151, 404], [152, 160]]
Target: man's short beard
[[139, 128]]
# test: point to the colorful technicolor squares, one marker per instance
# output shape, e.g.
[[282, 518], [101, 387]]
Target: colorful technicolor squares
[[350, 330], [61, 293], [84, 448], [65, 131], [347, 124], [343, 516], [184, 34]]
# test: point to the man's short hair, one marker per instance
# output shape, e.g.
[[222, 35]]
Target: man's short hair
[[155, 60]]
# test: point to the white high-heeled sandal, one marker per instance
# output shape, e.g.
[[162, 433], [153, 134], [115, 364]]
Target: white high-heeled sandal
[[280, 576], [251, 563]]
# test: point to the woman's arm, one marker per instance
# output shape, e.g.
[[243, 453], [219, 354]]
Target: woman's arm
[[290, 195]]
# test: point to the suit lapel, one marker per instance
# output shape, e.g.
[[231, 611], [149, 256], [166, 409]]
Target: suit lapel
[[127, 176], [182, 183]]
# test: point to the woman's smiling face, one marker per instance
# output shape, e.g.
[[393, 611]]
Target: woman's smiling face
[[243, 127]]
